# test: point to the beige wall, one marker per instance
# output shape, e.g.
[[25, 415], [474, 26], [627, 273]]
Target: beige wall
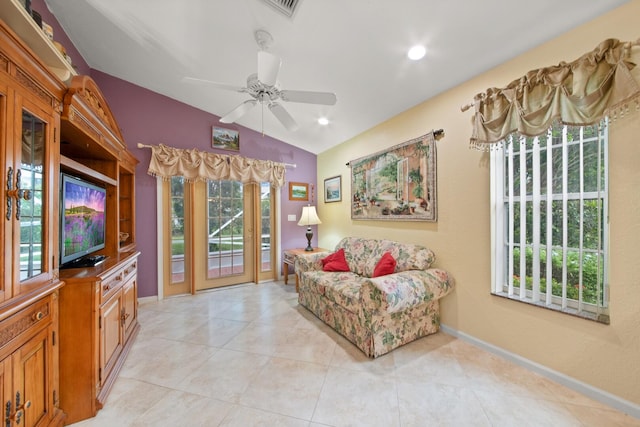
[[604, 356]]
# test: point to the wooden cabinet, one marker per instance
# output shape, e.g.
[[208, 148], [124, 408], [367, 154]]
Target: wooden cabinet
[[98, 305], [30, 105], [28, 365], [93, 148], [98, 322], [61, 347]]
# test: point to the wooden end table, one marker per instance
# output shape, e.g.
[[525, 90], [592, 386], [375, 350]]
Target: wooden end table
[[289, 259]]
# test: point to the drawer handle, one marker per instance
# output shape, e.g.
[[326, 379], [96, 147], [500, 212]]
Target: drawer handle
[[105, 288], [38, 316], [130, 269]]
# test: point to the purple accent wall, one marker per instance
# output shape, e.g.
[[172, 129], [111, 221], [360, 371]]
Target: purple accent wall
[[150, 118]]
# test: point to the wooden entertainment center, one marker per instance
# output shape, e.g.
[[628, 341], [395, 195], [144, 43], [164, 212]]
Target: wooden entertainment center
[[64, 333]]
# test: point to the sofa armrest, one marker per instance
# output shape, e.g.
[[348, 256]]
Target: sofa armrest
[[400, 291], [311, 262]]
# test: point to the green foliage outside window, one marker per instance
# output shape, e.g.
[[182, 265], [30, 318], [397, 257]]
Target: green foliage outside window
[[584, 211]]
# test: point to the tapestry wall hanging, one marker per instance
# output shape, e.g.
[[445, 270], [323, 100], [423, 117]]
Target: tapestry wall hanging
[[396, 184]]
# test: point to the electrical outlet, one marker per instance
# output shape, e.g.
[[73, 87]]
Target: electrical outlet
[[291, 217]]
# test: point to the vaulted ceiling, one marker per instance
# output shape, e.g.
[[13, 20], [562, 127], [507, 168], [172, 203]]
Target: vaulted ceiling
[[353, 48]]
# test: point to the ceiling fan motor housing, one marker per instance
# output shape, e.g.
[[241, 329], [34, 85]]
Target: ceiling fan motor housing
[[260, 91]]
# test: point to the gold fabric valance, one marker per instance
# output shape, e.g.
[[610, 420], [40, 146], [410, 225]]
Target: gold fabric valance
[[195, 165], [582, 92]]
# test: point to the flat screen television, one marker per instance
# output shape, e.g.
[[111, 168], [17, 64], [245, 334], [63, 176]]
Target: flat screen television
[[82, 218]]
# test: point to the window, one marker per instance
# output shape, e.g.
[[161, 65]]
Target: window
[[549, 216]]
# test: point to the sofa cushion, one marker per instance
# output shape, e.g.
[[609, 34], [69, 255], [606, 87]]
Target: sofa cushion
[[362, 254], [335, 262], [342, 288], [408, 256], [386, 265]]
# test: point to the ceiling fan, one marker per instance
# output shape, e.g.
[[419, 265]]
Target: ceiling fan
[[264, 88]]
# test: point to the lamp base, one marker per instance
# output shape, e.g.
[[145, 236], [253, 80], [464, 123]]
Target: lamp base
[[309, 235]]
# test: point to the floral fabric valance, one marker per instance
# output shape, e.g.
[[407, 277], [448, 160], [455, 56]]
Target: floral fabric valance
[[195, 165], [582, 92]]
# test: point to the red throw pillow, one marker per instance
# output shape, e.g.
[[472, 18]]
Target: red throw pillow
[[335, 262], [386, 265]]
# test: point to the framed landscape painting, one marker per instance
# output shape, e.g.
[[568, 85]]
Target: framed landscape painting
[[299, 191], [333, 189], [227, 139], [398, 183]]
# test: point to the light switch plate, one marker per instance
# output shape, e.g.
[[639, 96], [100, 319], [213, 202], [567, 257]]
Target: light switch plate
[[291, 217]]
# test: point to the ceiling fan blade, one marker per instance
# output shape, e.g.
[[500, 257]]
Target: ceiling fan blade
[[239, 111], [268, 68], [284, 117], [214, 84], [324, 98]]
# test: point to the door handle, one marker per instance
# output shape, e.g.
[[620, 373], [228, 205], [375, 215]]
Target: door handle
[[18, 193]]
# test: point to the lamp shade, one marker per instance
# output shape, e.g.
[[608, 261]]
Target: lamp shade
[[309, 216]]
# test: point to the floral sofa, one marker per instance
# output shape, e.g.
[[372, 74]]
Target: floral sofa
[[381, 313]]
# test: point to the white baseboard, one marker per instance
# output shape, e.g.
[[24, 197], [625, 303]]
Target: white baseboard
[[144, 300], [594, 393]]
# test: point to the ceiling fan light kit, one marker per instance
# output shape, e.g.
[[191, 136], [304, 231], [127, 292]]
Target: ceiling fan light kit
[[264, 88]]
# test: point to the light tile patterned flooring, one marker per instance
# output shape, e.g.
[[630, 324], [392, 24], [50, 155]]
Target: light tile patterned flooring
[[251, 356]]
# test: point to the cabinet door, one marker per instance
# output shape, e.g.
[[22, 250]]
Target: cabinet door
[[110, 335], [33, 202], [5, 227], [129, 313], [31, 371], [5, 386]]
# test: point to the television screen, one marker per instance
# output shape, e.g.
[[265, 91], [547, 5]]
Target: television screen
[[82, 228]]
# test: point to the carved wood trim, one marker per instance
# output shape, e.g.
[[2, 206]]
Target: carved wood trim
[[85, 95], [81, 122], [5, 63], [32, 86], [22, 321]]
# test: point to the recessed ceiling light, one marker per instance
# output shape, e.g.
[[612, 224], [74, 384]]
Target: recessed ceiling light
[[323, 121], [416, 52]]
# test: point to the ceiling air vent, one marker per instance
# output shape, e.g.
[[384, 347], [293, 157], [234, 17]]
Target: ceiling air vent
[[286, 7]]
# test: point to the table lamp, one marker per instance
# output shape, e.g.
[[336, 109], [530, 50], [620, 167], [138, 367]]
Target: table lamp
[[309, 217]]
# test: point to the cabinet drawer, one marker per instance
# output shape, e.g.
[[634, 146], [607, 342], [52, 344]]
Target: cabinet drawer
[[112, 283], [130, 270], [26, 321]]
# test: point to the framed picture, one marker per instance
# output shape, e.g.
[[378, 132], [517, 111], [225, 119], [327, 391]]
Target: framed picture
[[299, 191], [227, 139], [333, 189], [397, 184]]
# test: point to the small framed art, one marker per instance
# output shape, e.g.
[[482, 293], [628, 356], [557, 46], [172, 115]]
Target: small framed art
[[227, 139], [333, 189], [299, 191]]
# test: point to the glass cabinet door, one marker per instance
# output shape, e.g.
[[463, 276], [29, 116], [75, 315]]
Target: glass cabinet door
[[29, 210], [29, 203], [5, 228]]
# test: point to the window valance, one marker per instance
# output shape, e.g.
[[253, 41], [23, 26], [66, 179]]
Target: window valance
[[600, 83], [195, 165]]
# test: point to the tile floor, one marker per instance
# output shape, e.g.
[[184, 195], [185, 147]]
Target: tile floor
[[250, 356]]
